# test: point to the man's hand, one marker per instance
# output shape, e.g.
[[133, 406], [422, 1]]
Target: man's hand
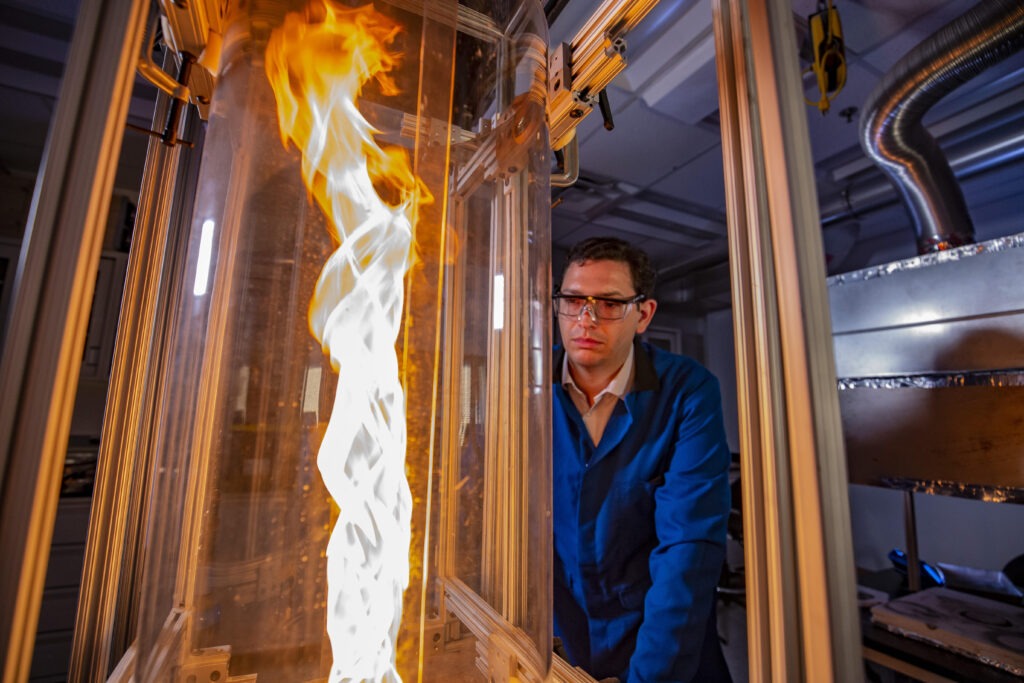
[[559, 650]]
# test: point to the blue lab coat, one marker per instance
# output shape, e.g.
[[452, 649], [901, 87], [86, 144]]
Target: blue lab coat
[[639, 525]]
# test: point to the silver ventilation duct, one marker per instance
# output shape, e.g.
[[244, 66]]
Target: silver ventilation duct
[[891, 131]]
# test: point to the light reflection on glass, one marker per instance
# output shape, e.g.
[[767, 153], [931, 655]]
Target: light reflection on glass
[[203, 264]]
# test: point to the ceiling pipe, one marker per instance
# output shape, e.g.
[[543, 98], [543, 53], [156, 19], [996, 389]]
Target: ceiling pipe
[[891, 131], [998, 147]]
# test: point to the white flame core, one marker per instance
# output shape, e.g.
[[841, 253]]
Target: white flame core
[[356, 315], [362, 457]]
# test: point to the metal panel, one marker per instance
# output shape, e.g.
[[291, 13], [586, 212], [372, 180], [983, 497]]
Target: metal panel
[[979, 280], [955, 311], [932, 348], [957, 345], [972, 435]]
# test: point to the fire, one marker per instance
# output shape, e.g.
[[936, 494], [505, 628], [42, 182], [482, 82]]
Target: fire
[[317, 63]]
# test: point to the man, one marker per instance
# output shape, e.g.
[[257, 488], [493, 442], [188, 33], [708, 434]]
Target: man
[[641, 492]]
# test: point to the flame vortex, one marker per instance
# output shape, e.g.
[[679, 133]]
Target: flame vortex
[[317, 63]]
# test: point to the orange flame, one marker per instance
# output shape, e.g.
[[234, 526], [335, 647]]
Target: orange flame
[[317, 71], [317, 64]]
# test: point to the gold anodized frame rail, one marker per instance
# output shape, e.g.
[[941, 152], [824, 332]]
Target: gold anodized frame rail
[[802, 614]]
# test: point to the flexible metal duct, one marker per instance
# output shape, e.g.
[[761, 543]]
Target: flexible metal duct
[[891, 131], [1000, 142]]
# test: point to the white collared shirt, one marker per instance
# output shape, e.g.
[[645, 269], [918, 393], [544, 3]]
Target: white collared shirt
[[596, 416]]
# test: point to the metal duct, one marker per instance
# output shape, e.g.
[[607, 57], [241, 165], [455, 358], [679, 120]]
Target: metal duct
[[891, 131], [1001, 143]]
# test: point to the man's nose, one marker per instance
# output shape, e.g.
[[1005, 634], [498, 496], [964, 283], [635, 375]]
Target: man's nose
[[589, 309]]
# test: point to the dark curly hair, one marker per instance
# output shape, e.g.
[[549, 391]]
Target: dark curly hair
[[614, 249]]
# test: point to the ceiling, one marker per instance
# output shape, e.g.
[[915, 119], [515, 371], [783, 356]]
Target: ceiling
[[657, 178], [34, 39]]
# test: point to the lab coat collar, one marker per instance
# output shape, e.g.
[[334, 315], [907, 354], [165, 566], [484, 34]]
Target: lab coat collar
[[644, 379]]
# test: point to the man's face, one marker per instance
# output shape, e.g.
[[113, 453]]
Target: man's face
[[602, 345]]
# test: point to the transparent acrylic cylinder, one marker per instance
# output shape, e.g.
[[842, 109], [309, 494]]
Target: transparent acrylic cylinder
[[237, 522]]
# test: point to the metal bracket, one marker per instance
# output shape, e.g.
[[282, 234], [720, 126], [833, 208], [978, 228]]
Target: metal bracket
[[196, 27], [149, 69], [570, 164], [502, 150], [502, 663], [209, 664], [580, 70]]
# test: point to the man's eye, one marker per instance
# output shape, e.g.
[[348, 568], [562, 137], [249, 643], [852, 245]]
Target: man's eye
[[574, 300], [609, 306]]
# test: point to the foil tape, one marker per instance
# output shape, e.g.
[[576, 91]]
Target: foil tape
[[925, 260], [1001, 378], [989, 493]]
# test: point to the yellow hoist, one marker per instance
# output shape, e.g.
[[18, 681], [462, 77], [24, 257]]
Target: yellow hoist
[[829, 54]]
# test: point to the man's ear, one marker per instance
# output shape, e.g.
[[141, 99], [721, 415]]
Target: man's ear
[[646, 308]]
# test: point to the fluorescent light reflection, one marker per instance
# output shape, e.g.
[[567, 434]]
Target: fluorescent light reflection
[[205, 251], [499, 302], [242, 397], [311, 393]]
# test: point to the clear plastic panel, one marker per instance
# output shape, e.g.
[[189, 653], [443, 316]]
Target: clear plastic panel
[[496, 546], [239, 518], [235, 574]]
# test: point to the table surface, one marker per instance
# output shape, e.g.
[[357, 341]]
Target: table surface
[[931, 658]]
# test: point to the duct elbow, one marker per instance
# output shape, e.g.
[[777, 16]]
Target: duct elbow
[[891, 130]]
